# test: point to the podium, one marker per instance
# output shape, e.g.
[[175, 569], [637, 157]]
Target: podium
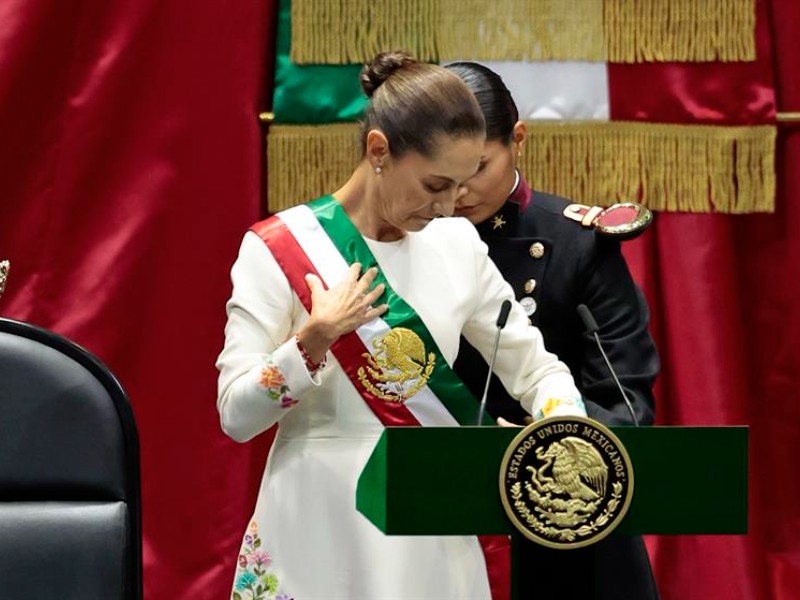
[[444, 481]]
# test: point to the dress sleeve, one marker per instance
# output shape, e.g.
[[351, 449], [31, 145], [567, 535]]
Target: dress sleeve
[[622, 316], [530, 374], [262, 374]]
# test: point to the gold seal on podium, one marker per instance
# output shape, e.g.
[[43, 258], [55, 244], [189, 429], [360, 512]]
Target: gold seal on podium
[[566, 482]]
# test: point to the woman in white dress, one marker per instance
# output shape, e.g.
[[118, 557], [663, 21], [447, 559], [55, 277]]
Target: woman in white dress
[[345, 316]]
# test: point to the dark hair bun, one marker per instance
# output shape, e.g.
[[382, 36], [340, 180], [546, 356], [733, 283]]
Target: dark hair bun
[[380, 68]]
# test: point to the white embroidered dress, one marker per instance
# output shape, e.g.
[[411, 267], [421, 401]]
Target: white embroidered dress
[[306, 540]]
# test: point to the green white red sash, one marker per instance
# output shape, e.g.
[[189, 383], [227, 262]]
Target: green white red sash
[[319, 238]]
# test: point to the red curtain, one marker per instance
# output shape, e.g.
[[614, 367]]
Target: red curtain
[[131, 163], [130, 166], [723, 292]]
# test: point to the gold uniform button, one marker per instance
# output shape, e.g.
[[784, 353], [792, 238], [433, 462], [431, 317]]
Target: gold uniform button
[[529, 286], [537, 250]]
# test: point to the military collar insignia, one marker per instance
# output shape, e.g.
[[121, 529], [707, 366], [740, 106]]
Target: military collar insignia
[[504, 221], [501, 224]]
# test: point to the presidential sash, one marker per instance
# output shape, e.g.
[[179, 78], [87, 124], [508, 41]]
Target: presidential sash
[[393, 362]]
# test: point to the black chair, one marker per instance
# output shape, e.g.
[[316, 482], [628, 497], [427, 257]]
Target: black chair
[[70, 509]]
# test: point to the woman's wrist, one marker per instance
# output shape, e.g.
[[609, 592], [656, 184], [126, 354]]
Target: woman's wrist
[[312, 366], [314, 340]]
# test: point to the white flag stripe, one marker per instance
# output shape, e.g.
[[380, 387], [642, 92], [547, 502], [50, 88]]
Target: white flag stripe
[[556, 90], [332, 267]]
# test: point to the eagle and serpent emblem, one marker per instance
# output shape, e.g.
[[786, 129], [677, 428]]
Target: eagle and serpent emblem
[[399, 367], [566, 482]]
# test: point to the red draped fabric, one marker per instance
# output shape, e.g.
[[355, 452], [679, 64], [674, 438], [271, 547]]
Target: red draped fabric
[[723, 292], [130, 166], [131, 163], [734, 93]]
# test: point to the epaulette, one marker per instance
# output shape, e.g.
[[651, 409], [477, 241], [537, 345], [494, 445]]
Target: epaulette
[[623, 221]]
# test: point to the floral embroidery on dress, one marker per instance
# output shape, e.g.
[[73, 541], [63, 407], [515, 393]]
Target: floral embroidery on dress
[[253, 580], [273, 382]]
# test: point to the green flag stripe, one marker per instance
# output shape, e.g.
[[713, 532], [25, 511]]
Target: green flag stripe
[[312, 94]]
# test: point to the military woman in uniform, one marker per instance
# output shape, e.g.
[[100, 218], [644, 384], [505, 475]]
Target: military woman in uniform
[[554, 264]]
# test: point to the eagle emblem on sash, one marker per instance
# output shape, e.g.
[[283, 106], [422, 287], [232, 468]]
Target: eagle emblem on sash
[[399, 366]]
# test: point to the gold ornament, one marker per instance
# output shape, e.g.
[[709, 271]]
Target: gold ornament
[[399, 367]]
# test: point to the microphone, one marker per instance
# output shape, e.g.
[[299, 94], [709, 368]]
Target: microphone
[[502, 318], [592, 329]]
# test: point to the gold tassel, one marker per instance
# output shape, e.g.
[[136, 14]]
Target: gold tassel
[[635, 31], [675, 168]]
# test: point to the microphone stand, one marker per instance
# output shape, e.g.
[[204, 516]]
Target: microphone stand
[[502, 318], [592, 329]]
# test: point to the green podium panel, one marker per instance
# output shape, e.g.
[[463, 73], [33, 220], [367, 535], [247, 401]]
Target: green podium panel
[[444, 480]]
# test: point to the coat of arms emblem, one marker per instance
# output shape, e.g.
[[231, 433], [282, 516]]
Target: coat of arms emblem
[[566, 482], [399, 367]]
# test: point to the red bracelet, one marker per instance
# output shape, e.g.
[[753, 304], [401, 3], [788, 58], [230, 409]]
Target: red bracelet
[[310, 364]]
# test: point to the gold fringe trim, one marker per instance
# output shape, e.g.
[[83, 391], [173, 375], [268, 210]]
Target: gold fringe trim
[[514, 30], [352, 31], [639, 31], [676, 168], [307, 161]]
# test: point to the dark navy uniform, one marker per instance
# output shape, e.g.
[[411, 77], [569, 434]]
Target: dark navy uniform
[[554, 264]]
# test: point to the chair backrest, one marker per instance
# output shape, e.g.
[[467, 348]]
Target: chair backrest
[[70, 515]]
